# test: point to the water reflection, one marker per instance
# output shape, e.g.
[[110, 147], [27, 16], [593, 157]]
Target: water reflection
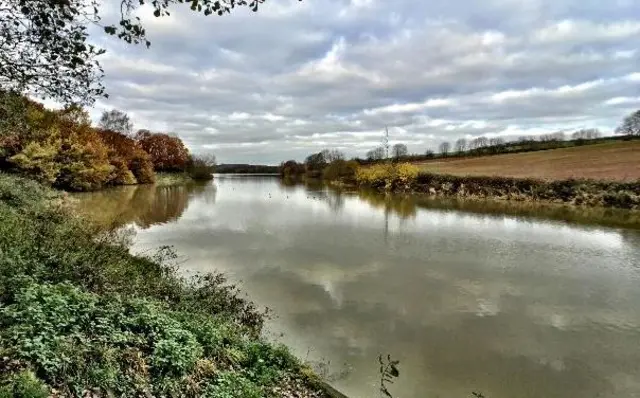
[[509, 304], [142, 205]]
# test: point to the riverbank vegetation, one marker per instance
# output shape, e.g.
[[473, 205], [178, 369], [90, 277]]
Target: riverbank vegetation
[[232, 168], [410, 178], [61, 148], [327, 164], [82, 317], [403, 177]]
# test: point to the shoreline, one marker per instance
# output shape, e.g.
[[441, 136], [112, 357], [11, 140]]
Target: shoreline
[[579, 193]]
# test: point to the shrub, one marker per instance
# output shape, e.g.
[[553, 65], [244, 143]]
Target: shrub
[[341, 170], [201, 167], [142, 167], [38, 160], [125, 152], [24, 384], [121, 175], [291, 169], [387, 175]]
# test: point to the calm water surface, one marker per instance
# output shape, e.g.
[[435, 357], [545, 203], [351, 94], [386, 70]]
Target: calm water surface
[[508, 304]]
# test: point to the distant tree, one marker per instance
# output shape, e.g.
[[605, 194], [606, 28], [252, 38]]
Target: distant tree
[[208, 160], [315, 160], [291, 168], [461, 145], [429, 154], [483, 142], [75, 114], [496, 142], [546, 138], [45, 47], [331, 155], [116, 120], [586, 134], [376, 154], [444, 148], [525, 138], [314, 164], [630, 125], [341, 170], [201, 167], [399, 150]]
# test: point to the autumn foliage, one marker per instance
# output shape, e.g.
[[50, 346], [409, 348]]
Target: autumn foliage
[[61, 148], [168, 153], [132, 163]]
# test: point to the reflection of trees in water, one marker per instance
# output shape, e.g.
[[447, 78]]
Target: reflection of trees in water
[[312, 185], [335, 200], [289, 182], [528, 211], [402, 206], [144, 205], [160, 205]]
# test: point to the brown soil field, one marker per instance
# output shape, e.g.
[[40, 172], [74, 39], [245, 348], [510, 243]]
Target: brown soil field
[[619, 161]]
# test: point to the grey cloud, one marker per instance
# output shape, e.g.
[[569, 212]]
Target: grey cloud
[[297, 77]]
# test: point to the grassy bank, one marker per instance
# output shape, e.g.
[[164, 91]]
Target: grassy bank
[[80, 316], [409, 178]]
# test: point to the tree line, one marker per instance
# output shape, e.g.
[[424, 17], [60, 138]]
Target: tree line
[[332, 164], [246, 169], [479, 146], [62, 148], [329, 164]]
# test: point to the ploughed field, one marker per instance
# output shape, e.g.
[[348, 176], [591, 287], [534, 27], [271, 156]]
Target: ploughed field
[[619, 161]]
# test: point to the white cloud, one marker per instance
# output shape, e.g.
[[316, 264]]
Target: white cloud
[[572, 31], [411, 107], [297, 76]]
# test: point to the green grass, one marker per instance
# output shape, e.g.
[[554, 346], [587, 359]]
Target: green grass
[[80, 316]]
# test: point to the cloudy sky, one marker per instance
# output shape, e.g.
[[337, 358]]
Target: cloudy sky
[[297, 77]]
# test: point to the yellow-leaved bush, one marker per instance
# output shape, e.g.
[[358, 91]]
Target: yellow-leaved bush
[[387, 174]]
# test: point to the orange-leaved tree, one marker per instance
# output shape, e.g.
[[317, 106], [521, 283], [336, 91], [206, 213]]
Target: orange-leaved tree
[[132, 163], [167, 152]]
